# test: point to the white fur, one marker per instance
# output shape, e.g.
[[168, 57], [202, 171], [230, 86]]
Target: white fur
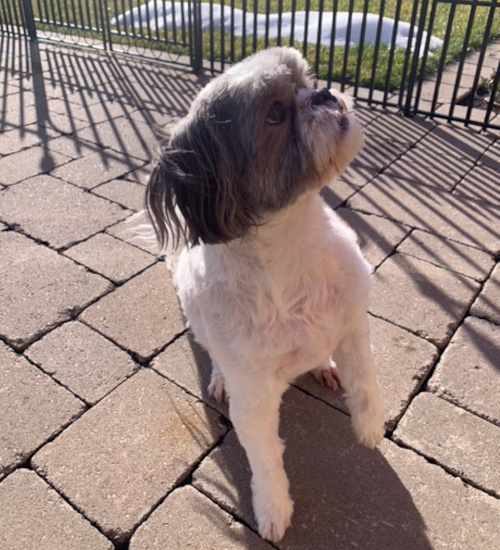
[[282, 295], [269, 307]]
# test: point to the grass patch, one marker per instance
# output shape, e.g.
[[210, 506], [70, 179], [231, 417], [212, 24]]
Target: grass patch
[[383, 73]]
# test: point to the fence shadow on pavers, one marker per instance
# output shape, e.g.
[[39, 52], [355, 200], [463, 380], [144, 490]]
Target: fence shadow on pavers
[[41, 106], [431, 209], [445, 298], [431, 187], [151, 88], [106, 103], [16, 87], [345, 495], [121, 110]]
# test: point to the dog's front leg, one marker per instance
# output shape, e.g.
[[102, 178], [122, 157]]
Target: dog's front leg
[[254, 411], [354, 359]]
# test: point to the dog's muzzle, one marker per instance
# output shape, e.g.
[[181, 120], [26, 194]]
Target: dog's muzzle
[[325, 97]]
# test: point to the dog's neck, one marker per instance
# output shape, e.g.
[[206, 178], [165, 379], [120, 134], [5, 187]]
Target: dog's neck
[[287, 244], [286, 229]]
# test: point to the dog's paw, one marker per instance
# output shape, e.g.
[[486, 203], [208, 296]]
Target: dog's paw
[[369, 422], [216, 388], [327, 375], [370, 437], [274, 517]]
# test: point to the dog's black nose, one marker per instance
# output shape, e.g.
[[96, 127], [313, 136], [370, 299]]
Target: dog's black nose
[[320, 97]]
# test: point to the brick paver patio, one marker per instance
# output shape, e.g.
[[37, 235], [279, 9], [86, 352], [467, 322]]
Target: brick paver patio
[[108, 438]]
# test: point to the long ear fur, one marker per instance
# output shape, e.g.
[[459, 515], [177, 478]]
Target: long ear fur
[[192, 195]]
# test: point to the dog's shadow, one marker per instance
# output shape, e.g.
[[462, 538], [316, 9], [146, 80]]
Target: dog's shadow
[[346, 496]]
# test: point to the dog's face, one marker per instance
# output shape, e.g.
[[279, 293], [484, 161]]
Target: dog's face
[[256, 139]]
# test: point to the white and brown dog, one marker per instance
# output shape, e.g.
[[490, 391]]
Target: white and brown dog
[[272, 283]]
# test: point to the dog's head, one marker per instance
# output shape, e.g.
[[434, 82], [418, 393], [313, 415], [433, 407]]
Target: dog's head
[[255, 139]]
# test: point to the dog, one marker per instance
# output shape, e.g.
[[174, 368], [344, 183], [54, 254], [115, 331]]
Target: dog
[[271, 281]]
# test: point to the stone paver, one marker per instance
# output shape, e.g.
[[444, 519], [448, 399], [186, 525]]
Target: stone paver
[[487, 304], [125, 135], [336, 485], [448, 254], [155, 433], [431, 209], [141, 175], [405, 131], [94, 112], [377, 237], [491, 157], [71, 146], [82, 360], [455, 515], [23, 164], [481, 183], [187, 364], [64, 124], [17, 139], [344, 186], [379, 150], [430, 167], [127, 193], [33, 408], [468, 372], [135, 231], [56, 212], [32, 305], [434, 299], [190, 521], [142, 316], [100, 254], [32, 515], [403, 361], [460, 111], [462, 442], [16, 114], [91, 170], [442, 158]]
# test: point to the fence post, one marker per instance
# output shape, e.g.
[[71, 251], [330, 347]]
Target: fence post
[[29, 19], [197, 59], [415, 60], [103, 22]]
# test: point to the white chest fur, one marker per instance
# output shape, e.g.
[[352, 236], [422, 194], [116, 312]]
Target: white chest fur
[[277, 298]]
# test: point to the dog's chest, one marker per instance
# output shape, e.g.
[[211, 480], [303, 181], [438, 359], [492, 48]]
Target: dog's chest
[[291, 316], [303, 310], [290, 311]]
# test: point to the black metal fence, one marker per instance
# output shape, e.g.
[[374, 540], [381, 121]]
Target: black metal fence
[[434, 57]]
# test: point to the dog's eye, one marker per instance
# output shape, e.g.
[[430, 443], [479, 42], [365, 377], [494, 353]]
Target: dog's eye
[[276, 113]]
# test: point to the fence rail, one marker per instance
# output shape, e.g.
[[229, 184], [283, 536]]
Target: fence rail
[[429, 57]]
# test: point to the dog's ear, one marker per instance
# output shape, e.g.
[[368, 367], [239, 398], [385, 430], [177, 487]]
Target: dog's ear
[[192, 195]]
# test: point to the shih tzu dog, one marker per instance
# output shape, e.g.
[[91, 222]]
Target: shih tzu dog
[[272, 283]]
